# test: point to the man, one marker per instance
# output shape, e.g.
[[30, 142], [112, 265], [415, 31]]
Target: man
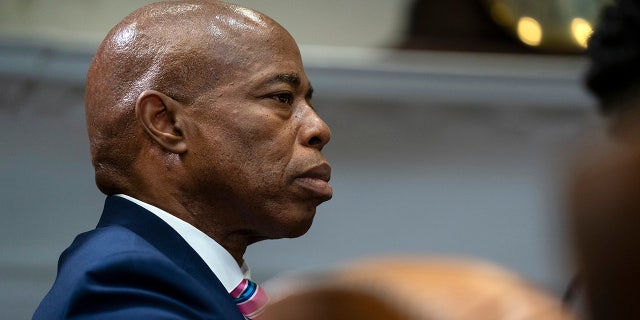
[[604, 188], [614, 55], [205, 140]]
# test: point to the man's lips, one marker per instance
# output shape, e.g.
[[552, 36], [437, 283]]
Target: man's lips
[[316, 180]]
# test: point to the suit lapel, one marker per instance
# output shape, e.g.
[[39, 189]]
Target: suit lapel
[[122, 212]]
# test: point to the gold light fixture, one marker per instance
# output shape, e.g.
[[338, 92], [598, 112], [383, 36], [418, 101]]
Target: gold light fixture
[[581, 30], [559, 26], [529, 31]]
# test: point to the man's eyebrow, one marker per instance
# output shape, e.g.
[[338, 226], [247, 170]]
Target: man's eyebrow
[[290, 78]]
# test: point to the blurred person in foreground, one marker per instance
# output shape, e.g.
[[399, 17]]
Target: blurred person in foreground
[[417, 288], [604, 207], [604, 187], [204, 139]]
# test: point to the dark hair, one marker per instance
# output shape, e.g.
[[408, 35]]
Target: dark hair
[[614, 52]]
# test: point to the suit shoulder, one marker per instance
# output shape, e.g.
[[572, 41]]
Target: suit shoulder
[[107, 240], [112, 273]]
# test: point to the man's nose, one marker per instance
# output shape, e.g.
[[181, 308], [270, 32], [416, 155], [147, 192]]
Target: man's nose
[[314, 132]]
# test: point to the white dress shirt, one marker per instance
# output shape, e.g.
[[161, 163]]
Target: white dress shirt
[[219, 260]]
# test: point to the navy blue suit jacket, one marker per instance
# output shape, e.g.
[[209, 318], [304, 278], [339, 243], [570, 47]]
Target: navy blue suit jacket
[[134, 266]]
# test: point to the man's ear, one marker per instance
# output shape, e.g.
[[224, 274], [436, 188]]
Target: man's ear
[[162, 118]]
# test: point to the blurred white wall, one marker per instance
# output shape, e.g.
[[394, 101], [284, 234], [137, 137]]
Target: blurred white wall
[[328, 22], [433, 153]]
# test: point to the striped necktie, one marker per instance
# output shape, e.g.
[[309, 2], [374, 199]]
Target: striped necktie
[[250, 298]]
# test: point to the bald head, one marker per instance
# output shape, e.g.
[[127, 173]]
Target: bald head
[[180, 49]]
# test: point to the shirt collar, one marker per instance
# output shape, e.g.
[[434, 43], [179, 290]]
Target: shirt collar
[[219, 260]]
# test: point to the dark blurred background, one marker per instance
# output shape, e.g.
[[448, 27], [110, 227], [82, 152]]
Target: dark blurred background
[[451, 120]]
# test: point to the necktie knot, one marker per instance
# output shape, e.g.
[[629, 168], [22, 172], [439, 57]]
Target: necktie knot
[[250, 298]]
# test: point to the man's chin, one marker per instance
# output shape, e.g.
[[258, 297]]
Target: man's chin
[[300, 230], [297, 227]]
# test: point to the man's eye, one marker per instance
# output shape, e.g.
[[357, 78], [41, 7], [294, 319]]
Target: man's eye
[[284, 98]]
